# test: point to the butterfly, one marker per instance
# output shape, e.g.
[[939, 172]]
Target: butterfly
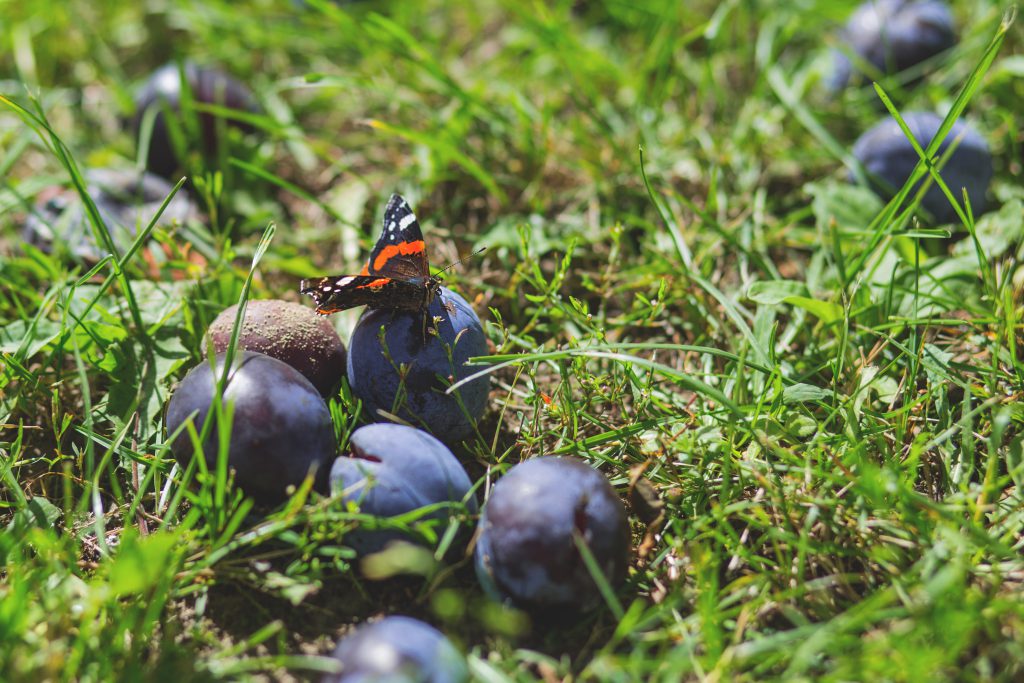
[[397, 275]]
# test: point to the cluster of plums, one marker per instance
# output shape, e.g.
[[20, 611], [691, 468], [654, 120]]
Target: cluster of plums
[[527, 554], [537, 517], [289, 358], [889, 37]]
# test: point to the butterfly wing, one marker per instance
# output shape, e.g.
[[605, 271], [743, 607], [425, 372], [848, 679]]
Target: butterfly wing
[[400, 252], [337, 293]]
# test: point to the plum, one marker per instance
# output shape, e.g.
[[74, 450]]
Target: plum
[[892, 36], [399, 650], [287, 331], [396, 469], [126, 199], [414, 367], [525, 552], [207, 85], [889, 158], [280, 432]]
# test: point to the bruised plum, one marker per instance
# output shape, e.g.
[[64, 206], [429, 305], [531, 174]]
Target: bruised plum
[[281, 430], [395, 469], [526, 553], [400, 650], [289, 332], [206, 86], [409, 372]]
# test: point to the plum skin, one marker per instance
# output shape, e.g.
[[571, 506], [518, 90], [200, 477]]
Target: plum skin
[[289, 332], [375, 379], [525, 553], [207, 85], [398, 648], [892, 36], [396, 469], [887, 155], [281, 428]]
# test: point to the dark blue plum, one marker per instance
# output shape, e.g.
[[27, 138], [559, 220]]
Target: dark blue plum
[[431, 362], [127, 201], [163, 91], [287, 331], [889, 158], [892, 36], [280, 432], [398, 650], [525, 552], [395, 469]]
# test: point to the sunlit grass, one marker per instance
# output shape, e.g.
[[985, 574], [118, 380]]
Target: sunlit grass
[[820, 394]]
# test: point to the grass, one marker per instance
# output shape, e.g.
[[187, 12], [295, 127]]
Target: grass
[[810, 399]]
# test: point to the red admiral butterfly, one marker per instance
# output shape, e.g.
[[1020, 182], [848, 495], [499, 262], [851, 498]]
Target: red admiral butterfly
[[396, 276]]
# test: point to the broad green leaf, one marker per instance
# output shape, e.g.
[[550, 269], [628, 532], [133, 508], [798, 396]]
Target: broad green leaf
[[774, 292], [799, 393], [826, 311]]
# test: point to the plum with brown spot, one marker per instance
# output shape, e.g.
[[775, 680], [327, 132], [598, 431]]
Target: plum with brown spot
[[289, 332]]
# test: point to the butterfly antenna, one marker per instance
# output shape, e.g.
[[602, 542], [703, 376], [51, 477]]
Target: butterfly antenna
[[461, 260]]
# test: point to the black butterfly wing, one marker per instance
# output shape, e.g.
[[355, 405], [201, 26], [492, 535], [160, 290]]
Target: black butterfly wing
[[333, 294], [400, 252]]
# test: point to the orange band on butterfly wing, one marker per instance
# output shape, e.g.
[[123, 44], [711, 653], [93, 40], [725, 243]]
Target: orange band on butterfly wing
[[392, 250], [375, 284]]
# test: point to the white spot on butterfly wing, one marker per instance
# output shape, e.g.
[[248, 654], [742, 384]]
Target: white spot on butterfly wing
[[406, 220], [341, 282]]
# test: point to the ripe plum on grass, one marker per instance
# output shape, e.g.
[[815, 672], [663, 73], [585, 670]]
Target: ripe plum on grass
[[126, 200], [527, 553], [163, 92], [889, 159], [398, 648], [892, 36], [281, 430], [407, 369], [395, 469]]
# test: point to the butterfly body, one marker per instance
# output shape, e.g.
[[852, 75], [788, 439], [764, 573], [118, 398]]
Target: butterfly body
[[396, 276]]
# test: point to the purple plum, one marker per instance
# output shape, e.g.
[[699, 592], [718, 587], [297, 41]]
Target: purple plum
[[127, 201], [526, 553], [395, 469], [399, 650], [407, 375], [281, 430], [163, 91], [892, 36], [889, 158]]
